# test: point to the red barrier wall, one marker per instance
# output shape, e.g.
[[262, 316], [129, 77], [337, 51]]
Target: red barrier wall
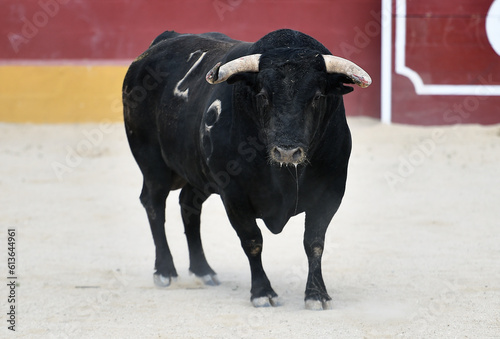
[[121, 29], [98, 32]]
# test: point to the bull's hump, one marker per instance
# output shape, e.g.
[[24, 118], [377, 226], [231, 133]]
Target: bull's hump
[[287, 38]]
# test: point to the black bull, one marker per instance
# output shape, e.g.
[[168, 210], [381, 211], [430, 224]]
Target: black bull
[[261, 124]]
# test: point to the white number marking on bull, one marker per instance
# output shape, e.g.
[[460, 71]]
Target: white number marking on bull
[[184, 94], [211, 118]]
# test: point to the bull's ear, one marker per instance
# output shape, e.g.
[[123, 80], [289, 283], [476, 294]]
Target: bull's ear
[[343, 90], [247, 78], [338, 83]]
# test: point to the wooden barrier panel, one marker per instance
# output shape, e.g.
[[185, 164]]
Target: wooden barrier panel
[[446, 70]]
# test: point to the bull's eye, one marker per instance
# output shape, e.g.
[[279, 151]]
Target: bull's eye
[[262, 100], [318, 100]]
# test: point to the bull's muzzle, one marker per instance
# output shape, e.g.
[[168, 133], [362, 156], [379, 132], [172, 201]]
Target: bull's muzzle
[[288, 155]]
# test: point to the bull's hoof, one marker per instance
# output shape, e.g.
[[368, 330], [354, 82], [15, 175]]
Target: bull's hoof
[[162, 281], [210, 280], [319, 305], [266, 302]]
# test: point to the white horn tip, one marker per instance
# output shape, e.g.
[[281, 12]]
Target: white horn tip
[[362, 81], [213, 75]]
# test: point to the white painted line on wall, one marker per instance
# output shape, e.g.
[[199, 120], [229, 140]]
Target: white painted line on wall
[[386, 63], [420, 87]]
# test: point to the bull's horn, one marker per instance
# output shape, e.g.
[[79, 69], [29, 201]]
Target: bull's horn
[[354, 72], [248, 63]]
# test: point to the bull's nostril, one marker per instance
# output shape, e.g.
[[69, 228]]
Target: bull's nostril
[[297, 154], [277, 154], [288, 155]]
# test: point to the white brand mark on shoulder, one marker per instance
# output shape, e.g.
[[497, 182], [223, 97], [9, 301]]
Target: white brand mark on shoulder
[[184, 93]]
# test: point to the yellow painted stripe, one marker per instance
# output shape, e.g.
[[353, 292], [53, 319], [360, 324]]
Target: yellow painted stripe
[[59, 94]]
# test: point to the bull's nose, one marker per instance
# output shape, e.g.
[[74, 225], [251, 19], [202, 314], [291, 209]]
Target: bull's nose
[[288, 155]]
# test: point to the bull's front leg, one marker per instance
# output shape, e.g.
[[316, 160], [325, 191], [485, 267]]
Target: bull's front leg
[[262, 294], [316, 296]]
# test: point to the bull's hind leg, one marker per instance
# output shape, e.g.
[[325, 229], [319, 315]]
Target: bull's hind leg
[[191, 200], [153, 197], [158, 180]]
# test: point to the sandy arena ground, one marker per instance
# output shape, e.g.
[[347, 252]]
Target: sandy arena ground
[[414, 251]]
